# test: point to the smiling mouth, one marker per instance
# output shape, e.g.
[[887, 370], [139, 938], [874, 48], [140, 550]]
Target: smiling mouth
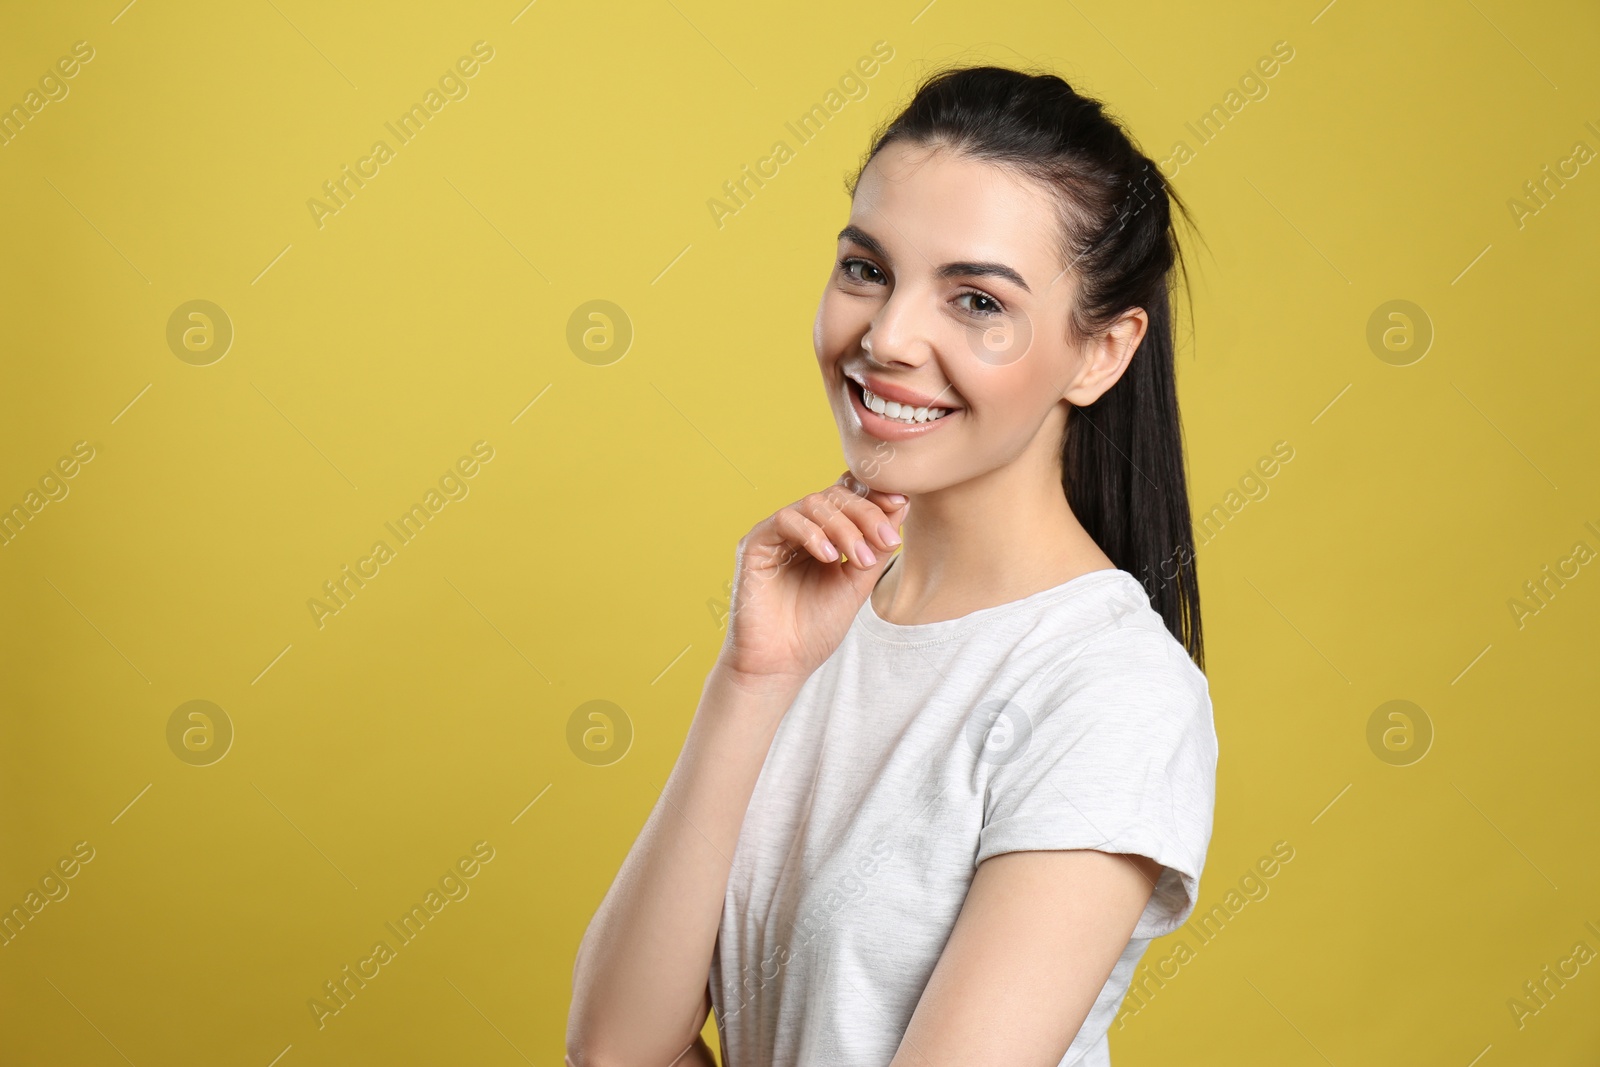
[[905, 414]]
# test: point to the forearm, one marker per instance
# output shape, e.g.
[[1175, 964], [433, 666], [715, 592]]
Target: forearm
[[640, 979]]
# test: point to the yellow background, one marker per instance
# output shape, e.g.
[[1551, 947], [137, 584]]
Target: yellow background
[[586, 563]]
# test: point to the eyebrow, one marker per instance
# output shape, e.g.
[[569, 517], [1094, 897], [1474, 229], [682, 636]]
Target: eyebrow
[[949, 270]]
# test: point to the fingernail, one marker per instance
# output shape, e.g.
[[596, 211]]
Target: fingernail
[[887, 533], [898, 498], [829, 551], [864, 553]]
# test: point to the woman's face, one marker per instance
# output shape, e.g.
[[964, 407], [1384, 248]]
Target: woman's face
[[948, 293]]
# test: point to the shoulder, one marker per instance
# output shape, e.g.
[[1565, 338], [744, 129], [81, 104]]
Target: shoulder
[[1127, 647]]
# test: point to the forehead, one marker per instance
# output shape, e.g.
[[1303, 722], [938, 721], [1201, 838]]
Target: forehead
[[950, 207]]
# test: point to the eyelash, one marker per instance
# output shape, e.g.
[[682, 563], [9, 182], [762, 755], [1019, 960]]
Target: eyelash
[[999, 308]]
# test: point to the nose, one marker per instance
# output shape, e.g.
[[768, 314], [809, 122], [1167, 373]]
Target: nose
[[900, 333]]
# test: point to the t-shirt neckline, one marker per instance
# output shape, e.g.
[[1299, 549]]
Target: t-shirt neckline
[[924, 633]]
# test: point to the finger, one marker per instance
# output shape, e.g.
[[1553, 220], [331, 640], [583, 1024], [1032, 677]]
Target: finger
[[880, 523], [831, 509], [893, 505], [797, 529], [894, 514], [856, 525]]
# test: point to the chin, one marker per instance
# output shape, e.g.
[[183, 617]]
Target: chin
[[872, 470]]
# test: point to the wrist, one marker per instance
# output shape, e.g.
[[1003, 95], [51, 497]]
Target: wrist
[[738, 717], [775, 689]]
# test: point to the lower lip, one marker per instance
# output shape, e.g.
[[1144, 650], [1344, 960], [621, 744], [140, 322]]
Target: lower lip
[[890, 429]]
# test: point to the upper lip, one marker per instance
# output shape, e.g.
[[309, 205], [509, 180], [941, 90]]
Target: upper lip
[[898, 394]]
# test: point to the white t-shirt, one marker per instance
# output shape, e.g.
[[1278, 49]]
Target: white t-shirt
[[1069, 719]]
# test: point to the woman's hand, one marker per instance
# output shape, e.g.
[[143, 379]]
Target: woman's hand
[[794, 595]]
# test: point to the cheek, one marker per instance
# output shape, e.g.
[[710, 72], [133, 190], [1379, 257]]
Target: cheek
[[1011, 401], [833, 330]]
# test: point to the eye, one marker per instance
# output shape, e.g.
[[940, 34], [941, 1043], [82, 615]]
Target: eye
[[994, 308], [848, 262]]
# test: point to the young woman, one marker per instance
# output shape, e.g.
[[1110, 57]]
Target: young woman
[[934, 811]]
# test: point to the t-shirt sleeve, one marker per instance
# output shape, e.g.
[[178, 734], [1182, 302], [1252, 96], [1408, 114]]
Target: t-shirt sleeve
[[1117, 753]]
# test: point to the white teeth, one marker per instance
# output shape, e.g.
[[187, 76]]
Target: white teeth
[[891, 409]]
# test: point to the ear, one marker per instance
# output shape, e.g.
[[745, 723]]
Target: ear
[[1106, 358]]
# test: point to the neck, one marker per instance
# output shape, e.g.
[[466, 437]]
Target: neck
[[984, 542]]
